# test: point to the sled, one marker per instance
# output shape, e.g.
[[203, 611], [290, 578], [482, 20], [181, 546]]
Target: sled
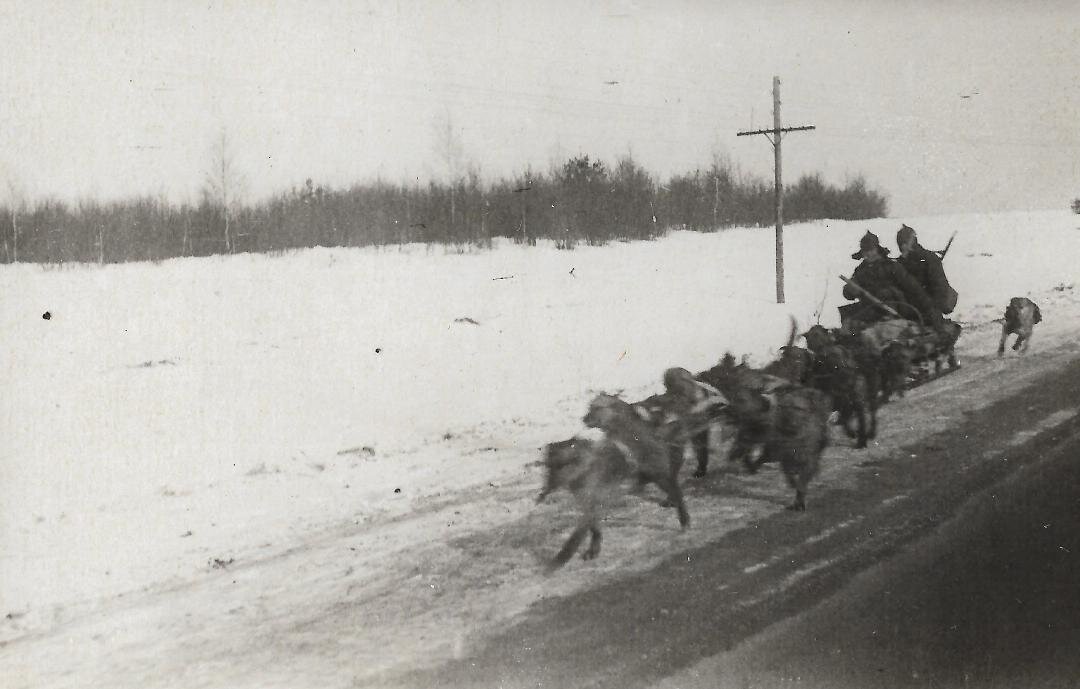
[[933, 351]]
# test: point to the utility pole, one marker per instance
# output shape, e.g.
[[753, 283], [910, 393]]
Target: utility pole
[[776, 134]]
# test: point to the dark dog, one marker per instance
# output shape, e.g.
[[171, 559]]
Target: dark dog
[[789, 421], [793, 364], [749, 431], [1021, 315], [851, 382], [592, 471], [896, 362], [946, 345], [655, 460], [683, 412]]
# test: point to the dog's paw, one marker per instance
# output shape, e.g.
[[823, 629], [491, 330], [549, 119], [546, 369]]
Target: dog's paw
[[700, 473], [551, 567]]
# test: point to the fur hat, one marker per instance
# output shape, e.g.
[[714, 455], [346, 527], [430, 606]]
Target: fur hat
[[904, 234], [869, 241]]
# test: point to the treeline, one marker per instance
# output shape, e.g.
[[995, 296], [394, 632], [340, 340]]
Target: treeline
[[584, 201]]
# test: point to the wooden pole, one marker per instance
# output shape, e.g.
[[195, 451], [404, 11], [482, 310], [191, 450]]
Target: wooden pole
[[774, 136], [779, 188]]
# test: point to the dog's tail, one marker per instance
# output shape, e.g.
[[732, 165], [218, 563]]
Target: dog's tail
[[794, 332], [821, 304]]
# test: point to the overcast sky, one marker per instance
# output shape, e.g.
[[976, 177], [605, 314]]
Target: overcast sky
[[945, 106]]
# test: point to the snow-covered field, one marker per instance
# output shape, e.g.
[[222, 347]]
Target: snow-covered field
[[169, 420]]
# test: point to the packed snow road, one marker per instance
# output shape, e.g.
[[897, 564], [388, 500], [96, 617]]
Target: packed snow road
[[995, 594], [989, 599]]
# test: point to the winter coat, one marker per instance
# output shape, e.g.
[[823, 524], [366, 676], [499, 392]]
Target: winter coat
[[926, 268], [889, 282]]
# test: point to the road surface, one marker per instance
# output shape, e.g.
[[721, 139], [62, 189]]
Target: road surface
[[953, 562]]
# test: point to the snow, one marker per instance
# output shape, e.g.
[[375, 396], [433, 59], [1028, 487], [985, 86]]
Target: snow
[[171, 419]]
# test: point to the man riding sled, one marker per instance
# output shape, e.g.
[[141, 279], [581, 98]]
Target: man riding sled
[[925, 266], [879, 280]]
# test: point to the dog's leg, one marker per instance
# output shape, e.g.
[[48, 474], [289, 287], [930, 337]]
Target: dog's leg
[[1001, 344], [572, 544], [676, 457], [899, 379], [845, 420], [797, 472], [1027, 341], [889, 382], [740, 446], [866, 394], [751, 464], [860, 421], [701, 451], [800, 501], [874, 381], [746, 454], [594, 544], [674, 496], [759, 452], [675, 460], [1019, 341], [953, 363], [793, 465], [871, 431], [886, 389]]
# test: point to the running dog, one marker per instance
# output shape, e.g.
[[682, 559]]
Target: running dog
[[789, 421], [793, 364], [850, 380], [682, 413], [946, 345], [896, 362], [593, 472], [654, 460], [749, 431], [1021, 315]]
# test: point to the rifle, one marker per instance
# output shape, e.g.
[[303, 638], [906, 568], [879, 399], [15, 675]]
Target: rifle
[[874, 300], [944, 251]]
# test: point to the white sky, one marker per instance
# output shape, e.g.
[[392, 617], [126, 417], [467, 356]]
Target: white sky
[[107, 99]]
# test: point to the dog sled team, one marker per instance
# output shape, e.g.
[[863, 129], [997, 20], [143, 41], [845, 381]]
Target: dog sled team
[[890, 335]]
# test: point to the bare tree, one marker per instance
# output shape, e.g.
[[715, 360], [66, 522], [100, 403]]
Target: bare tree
[[16, 198], [223, 183], [449, 150]]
